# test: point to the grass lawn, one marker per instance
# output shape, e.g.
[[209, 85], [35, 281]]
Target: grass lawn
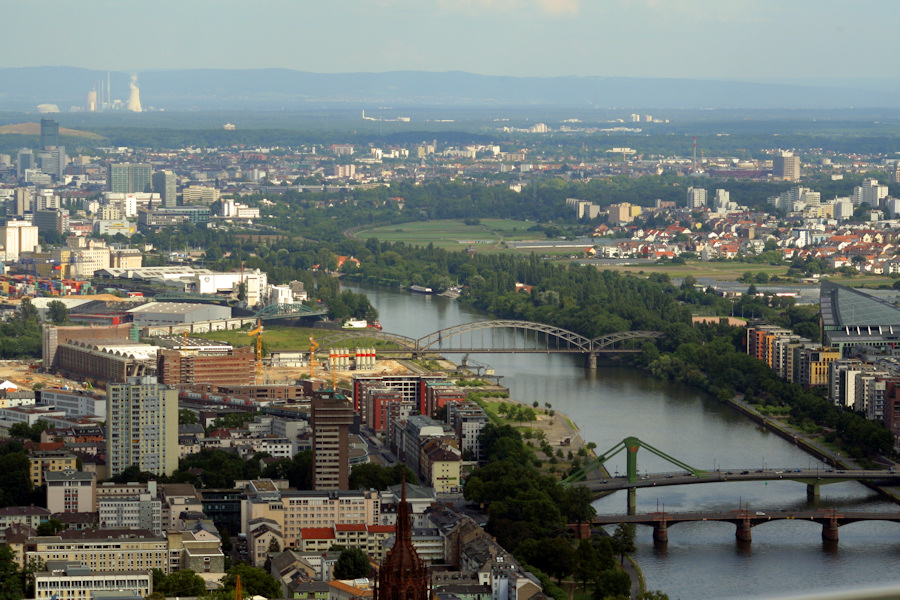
[[454, 235], [289, 338]]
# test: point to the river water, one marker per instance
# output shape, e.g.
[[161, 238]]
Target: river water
[[702, 560]]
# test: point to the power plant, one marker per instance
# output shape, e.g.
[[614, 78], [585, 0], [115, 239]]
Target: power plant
[[100, 97], [134, 98]]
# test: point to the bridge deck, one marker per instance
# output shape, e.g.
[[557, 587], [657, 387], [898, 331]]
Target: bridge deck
[[808, 476]]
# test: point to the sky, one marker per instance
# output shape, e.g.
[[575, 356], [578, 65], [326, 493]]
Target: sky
[[702, 39]]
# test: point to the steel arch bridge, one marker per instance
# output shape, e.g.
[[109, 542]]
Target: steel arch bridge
[[503, 336]]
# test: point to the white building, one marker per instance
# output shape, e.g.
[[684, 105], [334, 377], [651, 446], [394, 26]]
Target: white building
[[696, 197], [64, 580], [74, 403], [870, 192]]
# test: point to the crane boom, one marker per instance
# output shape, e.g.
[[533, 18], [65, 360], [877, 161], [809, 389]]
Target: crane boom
[[313, 346]]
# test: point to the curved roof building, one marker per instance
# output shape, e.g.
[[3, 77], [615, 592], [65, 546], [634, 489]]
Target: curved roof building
[[852, 318]]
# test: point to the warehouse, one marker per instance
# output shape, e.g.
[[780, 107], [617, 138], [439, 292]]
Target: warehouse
[[177, 313]]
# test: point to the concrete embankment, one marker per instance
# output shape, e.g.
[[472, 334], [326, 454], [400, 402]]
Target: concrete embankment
[[800, 440]]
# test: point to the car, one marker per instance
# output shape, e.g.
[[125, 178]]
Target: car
[[759, 470], [729, 473], [669, 476], [604, 481], [745, 472], [779, 472], [760, 513], [798, 470]]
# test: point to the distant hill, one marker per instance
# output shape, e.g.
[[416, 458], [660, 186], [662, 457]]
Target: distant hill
[[35, 129], [277, 89]]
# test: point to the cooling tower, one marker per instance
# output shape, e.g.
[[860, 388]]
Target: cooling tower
[[92, 100], [134, 99]]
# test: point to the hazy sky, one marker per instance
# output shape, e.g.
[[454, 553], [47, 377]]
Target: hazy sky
[[641, 38]]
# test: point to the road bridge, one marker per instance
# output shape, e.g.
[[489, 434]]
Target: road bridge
[[501, 336], [631, 480], [745, 520]]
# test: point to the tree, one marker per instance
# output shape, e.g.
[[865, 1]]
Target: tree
[[254, 582], [51, 527], [179, 583], [187, 417], [28, 311], [611, 583], [587, 563], [351, 564], [623, 541], [57, 312], [12, 588], [274, 546]]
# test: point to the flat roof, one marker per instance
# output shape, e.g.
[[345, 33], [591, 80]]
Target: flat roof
[[173, 308]]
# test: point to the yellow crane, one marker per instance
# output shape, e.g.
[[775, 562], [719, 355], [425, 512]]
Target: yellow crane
[[313, 346], [258, 333]]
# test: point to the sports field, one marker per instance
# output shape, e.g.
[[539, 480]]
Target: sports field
[[488, 235]]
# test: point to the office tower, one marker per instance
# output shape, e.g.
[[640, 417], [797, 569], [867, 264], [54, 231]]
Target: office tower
[[128, 178], [332, 415], [786, 166], [23, 201], [24, 161], [49, 133], [696, 197], [164, 185], [142, 429], [53, 161]]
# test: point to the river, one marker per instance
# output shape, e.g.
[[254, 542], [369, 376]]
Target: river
[[702, 560]]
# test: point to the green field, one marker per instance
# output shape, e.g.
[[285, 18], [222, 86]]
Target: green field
[[720, 271], [488, 236]]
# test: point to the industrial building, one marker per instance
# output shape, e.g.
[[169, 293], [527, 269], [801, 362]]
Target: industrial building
[[106, 360], [177, 313]]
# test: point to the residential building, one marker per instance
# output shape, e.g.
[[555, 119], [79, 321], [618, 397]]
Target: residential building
[[71, 491], [696, 197], [44, 461], [142, 426], [293, 510]]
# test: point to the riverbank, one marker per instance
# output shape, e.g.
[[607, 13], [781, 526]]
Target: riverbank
[[811, 447]]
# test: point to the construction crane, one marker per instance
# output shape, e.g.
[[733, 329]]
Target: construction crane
[[258, 333], [238, 593], [313, 346]]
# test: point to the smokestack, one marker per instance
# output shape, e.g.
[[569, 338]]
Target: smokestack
[[134, 99], [92, 100]]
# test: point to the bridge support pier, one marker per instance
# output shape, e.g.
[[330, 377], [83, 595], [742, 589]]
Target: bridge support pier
[[591, 360], [812, 491], [830, 531], [743, 533], [632, 501], [660, 533]]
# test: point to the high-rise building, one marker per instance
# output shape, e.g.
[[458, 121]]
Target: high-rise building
[[870, 192], [128, 178], [24, 161], [786, 166], [23, 202], [142, 430], [164, 185], [332, 415], [696, 197], [49, 133]]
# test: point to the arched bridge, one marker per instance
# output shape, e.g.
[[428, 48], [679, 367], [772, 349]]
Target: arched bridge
[[501, 336], [746, 519]]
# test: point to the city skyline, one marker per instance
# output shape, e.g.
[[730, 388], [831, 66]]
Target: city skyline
[[620, 38]]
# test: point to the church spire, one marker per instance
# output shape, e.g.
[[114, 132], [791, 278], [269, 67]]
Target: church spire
[[403, 575]]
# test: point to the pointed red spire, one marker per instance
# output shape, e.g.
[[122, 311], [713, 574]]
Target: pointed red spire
[[403, 575]]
